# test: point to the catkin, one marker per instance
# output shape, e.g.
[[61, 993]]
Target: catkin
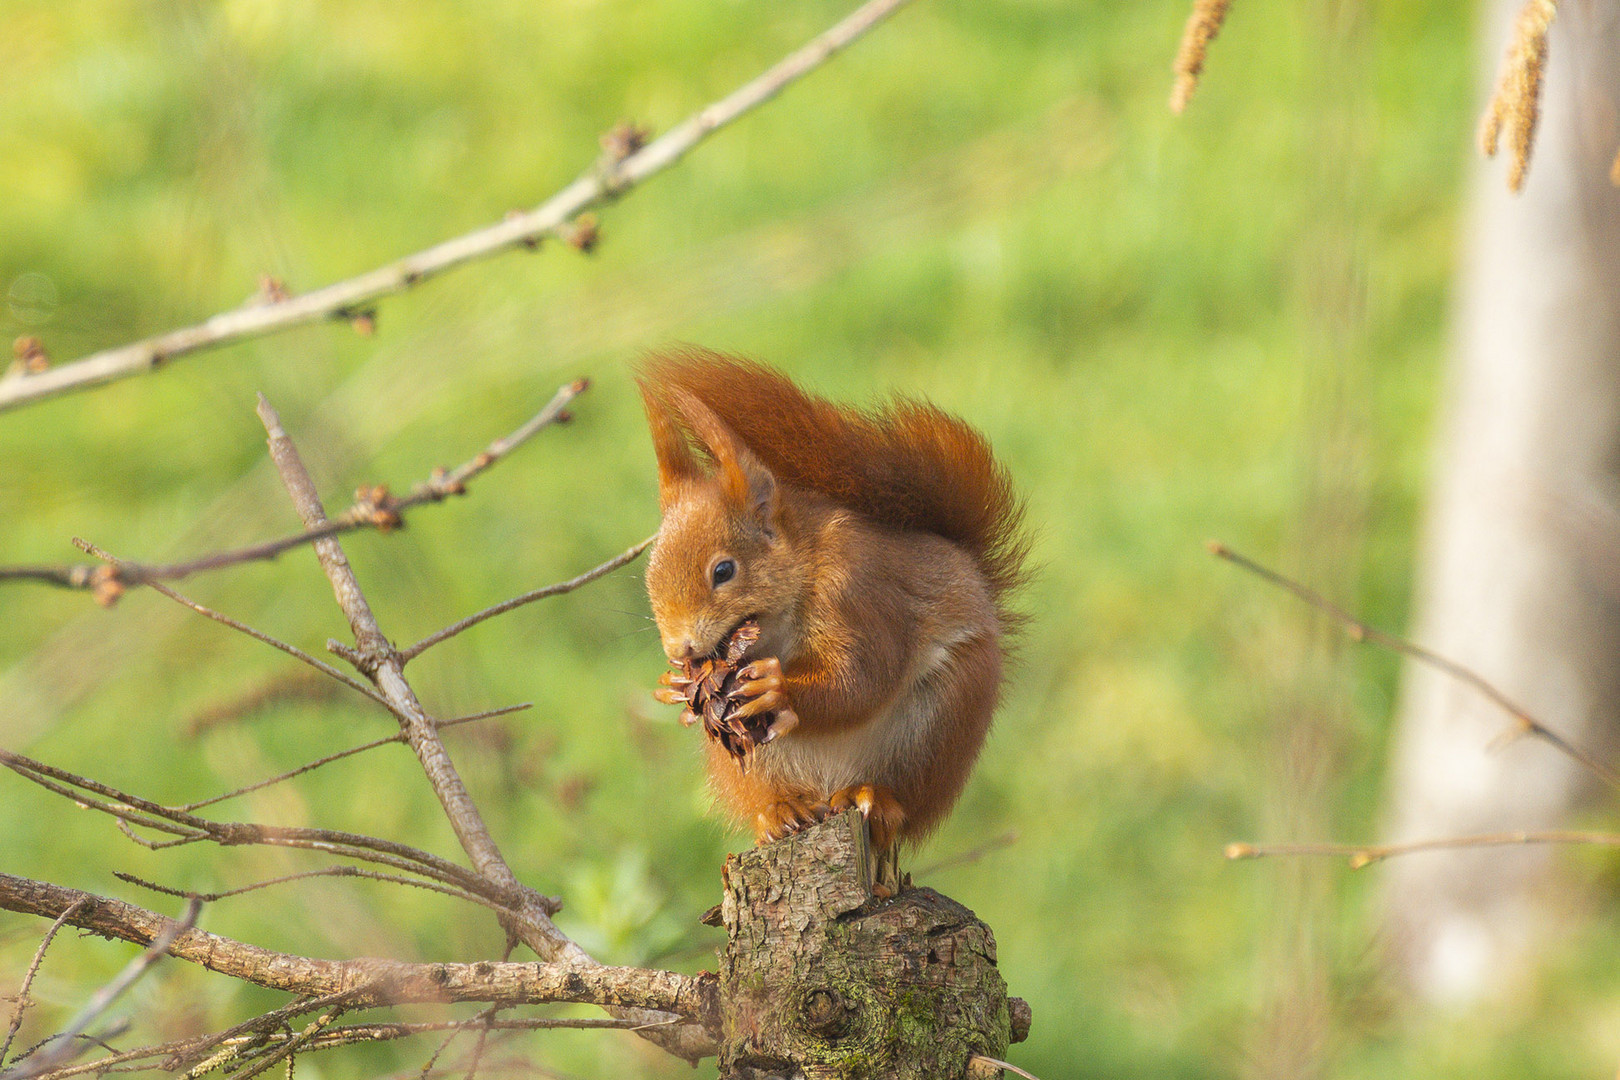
[[1515, 107], [1202, 26]]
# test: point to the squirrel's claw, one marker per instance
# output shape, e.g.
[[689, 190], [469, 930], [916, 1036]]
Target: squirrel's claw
[[675, 688], [767, 701], [783, 722], [761, 684], [786, 817], [677, 680], [768, 669]]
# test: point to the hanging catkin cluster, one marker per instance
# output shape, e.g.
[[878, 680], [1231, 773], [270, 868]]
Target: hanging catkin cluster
[[1514, 108]]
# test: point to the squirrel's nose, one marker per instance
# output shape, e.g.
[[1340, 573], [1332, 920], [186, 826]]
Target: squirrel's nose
[[688, 649]]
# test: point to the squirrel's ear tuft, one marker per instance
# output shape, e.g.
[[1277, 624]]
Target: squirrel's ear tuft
[[746, 482], [677, 466]]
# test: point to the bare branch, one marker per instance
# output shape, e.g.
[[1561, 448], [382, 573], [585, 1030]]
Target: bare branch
[[411, 653], [609, 178], [1524, 723], [993, 1065], [191, 828], [290, 1046], [370, 981], [62, 1046], [28, 979], [374, 508], [1362, 855]]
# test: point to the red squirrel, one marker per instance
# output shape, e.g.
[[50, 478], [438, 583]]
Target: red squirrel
[[874, 549]]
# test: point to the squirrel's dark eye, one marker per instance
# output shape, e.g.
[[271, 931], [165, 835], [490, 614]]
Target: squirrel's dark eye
[[724, 571]]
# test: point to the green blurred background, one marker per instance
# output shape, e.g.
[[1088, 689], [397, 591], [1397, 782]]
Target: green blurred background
[[1228, 324]]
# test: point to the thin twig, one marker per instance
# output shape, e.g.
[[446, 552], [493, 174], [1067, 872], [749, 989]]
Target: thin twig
[[1361, 855], [411, 653], [999, 1064], [594, 1023], [374, 508], [188, 1053], [609, 178], [291, 1046], [1525, 724], [398, 737], [330, 871], [972, 855], [28, 978], [184, 1052], [62, 1049], [257, 635]]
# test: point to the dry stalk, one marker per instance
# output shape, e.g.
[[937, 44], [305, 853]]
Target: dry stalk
[[1203, 24], [1364, 855], [1516, 103], [1524, 725]]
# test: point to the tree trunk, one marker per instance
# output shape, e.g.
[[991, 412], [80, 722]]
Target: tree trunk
[[821, 978], [1519, 579]]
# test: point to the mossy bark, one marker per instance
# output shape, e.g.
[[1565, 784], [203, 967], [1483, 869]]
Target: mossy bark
[[822, 979]]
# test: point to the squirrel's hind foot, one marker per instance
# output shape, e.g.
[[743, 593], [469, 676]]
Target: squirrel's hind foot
[[883, 813]]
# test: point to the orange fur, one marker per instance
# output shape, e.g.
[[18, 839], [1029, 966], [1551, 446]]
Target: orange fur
[[875, 549]]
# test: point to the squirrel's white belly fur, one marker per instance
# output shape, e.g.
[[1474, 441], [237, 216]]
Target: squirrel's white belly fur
[[870, 753]]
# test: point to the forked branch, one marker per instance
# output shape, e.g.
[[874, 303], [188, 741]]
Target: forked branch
[[528, 915]]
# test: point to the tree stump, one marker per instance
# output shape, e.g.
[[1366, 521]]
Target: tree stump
[[824, 980]]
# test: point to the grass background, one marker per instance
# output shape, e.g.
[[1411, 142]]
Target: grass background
[[1228, 324]]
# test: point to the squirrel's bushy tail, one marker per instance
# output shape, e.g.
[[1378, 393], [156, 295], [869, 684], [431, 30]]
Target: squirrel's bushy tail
[[906, 463]]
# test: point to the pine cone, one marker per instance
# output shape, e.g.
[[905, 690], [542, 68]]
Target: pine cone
[[712, 695]]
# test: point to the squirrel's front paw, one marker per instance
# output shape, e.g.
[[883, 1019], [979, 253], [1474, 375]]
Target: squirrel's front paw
[[759, 689]]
